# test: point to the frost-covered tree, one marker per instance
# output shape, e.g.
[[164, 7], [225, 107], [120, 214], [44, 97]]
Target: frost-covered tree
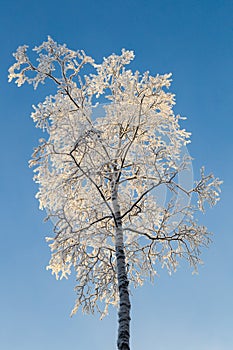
[[98, 176]]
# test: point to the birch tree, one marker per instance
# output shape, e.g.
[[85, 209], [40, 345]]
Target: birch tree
[[98, 175]]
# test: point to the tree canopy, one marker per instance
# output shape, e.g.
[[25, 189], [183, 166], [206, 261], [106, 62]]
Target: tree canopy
[[132, 148]]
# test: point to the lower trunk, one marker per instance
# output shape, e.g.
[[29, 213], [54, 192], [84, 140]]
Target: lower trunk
[[124, 304], [124, 307]]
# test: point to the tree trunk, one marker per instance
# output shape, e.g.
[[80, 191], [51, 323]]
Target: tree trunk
[[124, 307], [124, 304]]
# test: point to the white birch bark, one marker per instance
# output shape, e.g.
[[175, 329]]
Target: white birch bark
[[124, 303]]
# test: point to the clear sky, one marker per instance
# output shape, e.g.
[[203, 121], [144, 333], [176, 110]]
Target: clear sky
[[193, 39]]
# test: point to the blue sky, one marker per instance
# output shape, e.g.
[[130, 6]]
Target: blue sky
[[194, 41]]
